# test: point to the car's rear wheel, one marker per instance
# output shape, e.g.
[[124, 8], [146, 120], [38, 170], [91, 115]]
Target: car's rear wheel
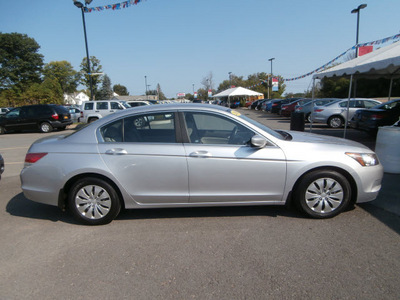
[[45, 127], [93, 201], [323, 194], [308, 118], [335, 122]]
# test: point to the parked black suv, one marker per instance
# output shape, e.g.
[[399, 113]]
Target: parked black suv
[[43, 117]]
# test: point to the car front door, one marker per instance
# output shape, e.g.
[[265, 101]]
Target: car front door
[[143, 154], [224, 167], [14, 119]]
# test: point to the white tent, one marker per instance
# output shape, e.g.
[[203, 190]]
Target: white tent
[[237, 91], [384, 62]]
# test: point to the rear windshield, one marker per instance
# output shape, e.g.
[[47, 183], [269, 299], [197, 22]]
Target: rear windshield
[[60, 109]]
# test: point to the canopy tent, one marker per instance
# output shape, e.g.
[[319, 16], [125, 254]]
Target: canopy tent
[[384, 62], [237, 91]]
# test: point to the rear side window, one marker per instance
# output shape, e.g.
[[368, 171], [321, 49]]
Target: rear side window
[[102, 105], [88, 106], [149, 128]]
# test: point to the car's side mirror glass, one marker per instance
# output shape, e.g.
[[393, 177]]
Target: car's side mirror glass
[[258, 141]]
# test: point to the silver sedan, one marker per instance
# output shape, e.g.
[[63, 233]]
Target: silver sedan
[[183, 155], [335, 114]]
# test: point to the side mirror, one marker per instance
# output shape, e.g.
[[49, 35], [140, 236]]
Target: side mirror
[[258, 141]]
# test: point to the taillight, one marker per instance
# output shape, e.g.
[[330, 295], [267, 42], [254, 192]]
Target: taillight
[[376, 117], [55, 116], [31, 158], [81, 114], [318, 110], [299, 108]]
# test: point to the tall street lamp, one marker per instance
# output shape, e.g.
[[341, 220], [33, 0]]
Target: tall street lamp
[[357, 11], [271, 59], [81, 6], [145, 82], [230, 79]]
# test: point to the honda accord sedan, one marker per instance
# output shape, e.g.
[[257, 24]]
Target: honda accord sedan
[[191, 155]]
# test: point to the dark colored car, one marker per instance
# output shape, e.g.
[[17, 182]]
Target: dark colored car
[[275, 105], [255, 103], [370, 120], [42, 117], [287, 109], [1, 165]]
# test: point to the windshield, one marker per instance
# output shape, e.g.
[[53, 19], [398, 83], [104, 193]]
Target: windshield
[[263, 127]]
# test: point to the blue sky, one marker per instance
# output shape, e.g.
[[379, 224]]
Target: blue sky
[[177, 43]]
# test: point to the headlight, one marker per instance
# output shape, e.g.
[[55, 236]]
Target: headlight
[[364, 159]]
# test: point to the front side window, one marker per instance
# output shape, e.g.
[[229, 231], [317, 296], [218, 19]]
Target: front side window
[[115, 105], [204, 128], [370, 104], [13, 113]]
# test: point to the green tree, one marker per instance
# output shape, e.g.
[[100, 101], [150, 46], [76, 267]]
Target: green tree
[[161, 95], [47, 92], [105, 92], [20, 62], [120, 90], [95, 67], [64, 73]]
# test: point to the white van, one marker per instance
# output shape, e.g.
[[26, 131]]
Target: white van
[[94, 110]]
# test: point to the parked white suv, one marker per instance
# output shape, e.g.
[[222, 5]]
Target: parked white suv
[[94, 110]]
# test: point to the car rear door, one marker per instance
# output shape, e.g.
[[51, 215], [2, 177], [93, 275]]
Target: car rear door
[[222, 165], [143, 153]]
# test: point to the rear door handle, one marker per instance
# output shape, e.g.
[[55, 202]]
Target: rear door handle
[[200, 154], [116, 151]]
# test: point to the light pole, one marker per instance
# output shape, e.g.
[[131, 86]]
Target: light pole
[[271, 59], [230, 79], [357, 11], [145, 82], [81, 6]]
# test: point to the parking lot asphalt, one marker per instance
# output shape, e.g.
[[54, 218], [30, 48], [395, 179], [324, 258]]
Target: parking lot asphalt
[[195, 253], [389, 196]]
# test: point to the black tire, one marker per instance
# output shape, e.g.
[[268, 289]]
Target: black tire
[[2, 130], [93, 201], [335, 122], [308, 118], [323, 194], [45, 127]]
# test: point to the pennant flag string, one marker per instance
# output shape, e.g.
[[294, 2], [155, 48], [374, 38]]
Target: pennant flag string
[[115, 6]]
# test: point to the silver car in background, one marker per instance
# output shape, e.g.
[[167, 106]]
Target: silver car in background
[[334, 114], [191, 155], [308, 107]]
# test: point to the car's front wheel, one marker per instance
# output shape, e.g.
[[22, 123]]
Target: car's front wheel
[[323, 194], [94, 201], [45, 127], [335, 122]]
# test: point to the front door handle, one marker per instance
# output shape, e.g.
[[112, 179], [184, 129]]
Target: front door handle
[[116, 151], [200, 154]]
